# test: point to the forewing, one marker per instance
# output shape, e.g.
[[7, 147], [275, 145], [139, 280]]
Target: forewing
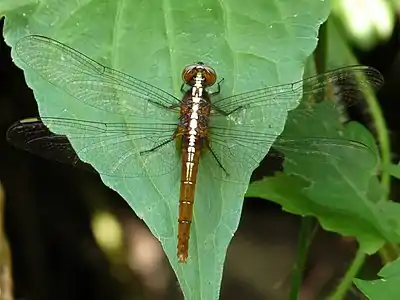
[[123, 147], [90, 82], [345, 84]]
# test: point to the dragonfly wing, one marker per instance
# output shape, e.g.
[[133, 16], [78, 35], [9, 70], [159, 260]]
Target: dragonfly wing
[[236, 150], [121, 149], [326, 150], [239, 149], [89, 81], [345, 84], [38, 139]]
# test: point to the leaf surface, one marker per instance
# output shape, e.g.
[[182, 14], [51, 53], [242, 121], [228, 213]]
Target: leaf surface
[[387, 287]]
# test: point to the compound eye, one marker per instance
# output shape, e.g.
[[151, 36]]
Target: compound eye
[[210, 77], [190, 72]]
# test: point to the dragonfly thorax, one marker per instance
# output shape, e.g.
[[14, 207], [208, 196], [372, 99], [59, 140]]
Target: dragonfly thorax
[[195, 112]]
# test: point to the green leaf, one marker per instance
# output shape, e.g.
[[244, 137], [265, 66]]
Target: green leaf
[[388, 287], [250, 46], [394, 170], [340, 189]]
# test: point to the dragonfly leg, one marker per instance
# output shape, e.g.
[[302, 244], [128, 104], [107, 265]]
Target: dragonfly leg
[[157, 104], [216, 158], [174, 106], [164, 106], [218, 88], [183, 88], [172, 138], [224, 113]]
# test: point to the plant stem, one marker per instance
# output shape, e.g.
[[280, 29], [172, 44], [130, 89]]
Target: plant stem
[[384, 143], [378, 119], [306, 226], [347, 280]]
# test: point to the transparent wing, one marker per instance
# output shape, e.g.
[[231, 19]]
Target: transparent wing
[[344, 83], [120, 147], [88, 81], [241, 149]]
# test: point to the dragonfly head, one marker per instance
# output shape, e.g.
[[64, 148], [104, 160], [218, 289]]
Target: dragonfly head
[[190, 72]]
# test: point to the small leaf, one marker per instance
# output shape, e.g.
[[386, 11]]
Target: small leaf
[[394, 170], [341, 188], [388, 287]]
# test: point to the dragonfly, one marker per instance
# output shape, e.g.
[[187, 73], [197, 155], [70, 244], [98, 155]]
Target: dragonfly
[[199, 121]]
